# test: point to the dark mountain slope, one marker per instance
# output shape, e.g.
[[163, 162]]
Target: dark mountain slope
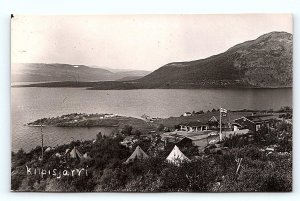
[[264, 62]]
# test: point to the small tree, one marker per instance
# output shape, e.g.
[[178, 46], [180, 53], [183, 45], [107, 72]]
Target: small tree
[[160, 127], [177, 127], [137, 133], [127, 130]]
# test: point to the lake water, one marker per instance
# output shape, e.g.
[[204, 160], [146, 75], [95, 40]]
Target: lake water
[[29, 104]]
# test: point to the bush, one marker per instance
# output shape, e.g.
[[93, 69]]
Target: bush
[[160, 127], [112, 180], [127, 130], [251, 152], [276, 182], [196, 176]]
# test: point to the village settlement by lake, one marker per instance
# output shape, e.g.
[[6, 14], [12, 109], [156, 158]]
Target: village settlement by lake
[[30, 104]]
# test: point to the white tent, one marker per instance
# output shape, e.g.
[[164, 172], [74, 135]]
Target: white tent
[[137, 154], [86, 156], [67, 151], [176, 156], [58, 155], [75, 153], [48, 149]]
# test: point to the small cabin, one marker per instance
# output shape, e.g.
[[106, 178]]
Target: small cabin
[[180, 141], [187, 114], [253, 123]]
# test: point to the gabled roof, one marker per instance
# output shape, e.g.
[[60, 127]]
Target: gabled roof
[[258, 118], [233, 115], [137, 154], [244, 119], [176, 156], [182, 138], [237, 124], [213, 118], [172, 137]]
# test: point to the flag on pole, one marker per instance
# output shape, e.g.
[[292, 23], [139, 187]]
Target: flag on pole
[[223, 112]]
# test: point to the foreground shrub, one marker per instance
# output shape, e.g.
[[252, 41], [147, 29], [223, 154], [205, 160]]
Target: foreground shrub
[[196, 176]]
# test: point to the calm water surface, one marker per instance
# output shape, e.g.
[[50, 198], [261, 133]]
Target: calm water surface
[[29, 104]]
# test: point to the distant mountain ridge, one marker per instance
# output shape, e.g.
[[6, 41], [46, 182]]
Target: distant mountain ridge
[[118, 70], [264, 62], [41, 72]]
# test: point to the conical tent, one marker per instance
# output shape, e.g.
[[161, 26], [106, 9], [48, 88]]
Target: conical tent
[[177, 156], [48, 149], [86, 156], [67, 151], [75, 153], [137, 154]]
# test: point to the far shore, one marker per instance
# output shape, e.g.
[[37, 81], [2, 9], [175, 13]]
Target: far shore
[[136, 84], [145, 124]]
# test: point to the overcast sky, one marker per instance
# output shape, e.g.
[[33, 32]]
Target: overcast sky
[[144, 42]]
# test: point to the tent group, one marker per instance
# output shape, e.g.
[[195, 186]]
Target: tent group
[[176, 156]]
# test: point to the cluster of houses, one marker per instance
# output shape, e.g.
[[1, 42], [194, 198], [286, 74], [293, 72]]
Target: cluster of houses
[[200, 134], [232, 122], [205, 129], [203, 132]]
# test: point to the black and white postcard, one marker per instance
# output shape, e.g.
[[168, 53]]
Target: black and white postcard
[[152, 103]]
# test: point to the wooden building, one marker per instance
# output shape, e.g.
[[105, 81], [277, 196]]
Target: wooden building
[[253, 123], [194, 126]]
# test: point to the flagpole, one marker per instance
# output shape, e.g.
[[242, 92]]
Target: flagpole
[[220, 136], [42, 136]]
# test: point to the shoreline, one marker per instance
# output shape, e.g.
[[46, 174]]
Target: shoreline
[[131, 85], [145, 124]]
